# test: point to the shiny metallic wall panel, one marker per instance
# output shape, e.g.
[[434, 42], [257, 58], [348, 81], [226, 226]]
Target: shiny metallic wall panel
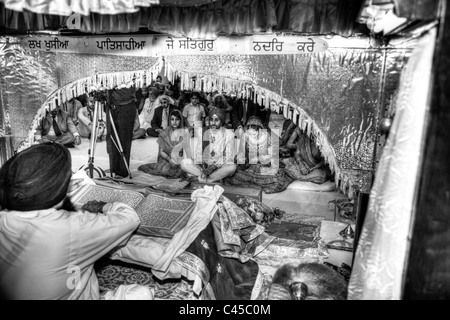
[[340, 89], [27, 78]]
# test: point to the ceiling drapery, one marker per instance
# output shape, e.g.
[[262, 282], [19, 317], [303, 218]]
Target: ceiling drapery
[[199, 19], [85, 7]]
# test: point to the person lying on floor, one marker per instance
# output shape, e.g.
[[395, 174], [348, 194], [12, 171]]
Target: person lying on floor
[[217, 151], [307, 164], [47, 248], [168, 162], [257, 159], [58, 127]]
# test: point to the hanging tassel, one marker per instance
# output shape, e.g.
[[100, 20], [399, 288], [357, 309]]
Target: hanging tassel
[[308, 129], [295, 116], [285, 111]]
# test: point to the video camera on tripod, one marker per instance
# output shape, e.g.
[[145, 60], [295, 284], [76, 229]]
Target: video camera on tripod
[[100, 99], [98, 126], [99, 95]]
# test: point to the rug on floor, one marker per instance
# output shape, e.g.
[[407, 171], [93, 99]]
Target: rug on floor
[[113, 273], [300, 243]]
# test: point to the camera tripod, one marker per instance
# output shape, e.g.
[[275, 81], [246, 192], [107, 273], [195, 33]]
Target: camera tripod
[[90, 167]]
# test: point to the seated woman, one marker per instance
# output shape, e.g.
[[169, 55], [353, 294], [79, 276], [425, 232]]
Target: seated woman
[[168, 164], [307, 164], [283, 127], [257, 160]]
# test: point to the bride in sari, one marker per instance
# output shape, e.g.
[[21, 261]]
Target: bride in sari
[[307, 164], [168, 162], [258, 161]]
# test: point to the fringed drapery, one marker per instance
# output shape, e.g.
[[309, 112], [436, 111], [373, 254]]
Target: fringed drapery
[[264, 97], [76, 88], [29, 21], [85, 7], [204, 19]]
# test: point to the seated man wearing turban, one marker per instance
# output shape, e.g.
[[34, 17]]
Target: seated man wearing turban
[[217, 160], [47, 248], [57, 126]]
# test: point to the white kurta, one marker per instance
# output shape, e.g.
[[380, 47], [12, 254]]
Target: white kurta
[[147, 113], [49, 254]]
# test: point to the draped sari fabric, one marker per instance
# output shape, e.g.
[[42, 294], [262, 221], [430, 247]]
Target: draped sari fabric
[[382, 249], [258, 166], [307, 163], [229, 278], [167, 140]]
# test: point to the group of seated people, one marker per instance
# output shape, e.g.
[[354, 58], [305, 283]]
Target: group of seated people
[[227, 141], [206, 138], [66, 123], [252, 157]]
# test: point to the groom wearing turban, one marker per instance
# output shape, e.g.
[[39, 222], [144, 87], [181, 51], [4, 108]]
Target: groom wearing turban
[[217, 160]]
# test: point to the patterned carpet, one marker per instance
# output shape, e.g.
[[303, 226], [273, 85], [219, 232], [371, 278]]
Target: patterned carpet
[[112, 273]]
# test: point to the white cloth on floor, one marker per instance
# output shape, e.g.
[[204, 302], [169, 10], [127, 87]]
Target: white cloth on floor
[[129, 292], [201, 216]]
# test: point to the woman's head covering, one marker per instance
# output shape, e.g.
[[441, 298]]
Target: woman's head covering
[[254, 120], [36, 178], [179, 115], [218, 112]]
